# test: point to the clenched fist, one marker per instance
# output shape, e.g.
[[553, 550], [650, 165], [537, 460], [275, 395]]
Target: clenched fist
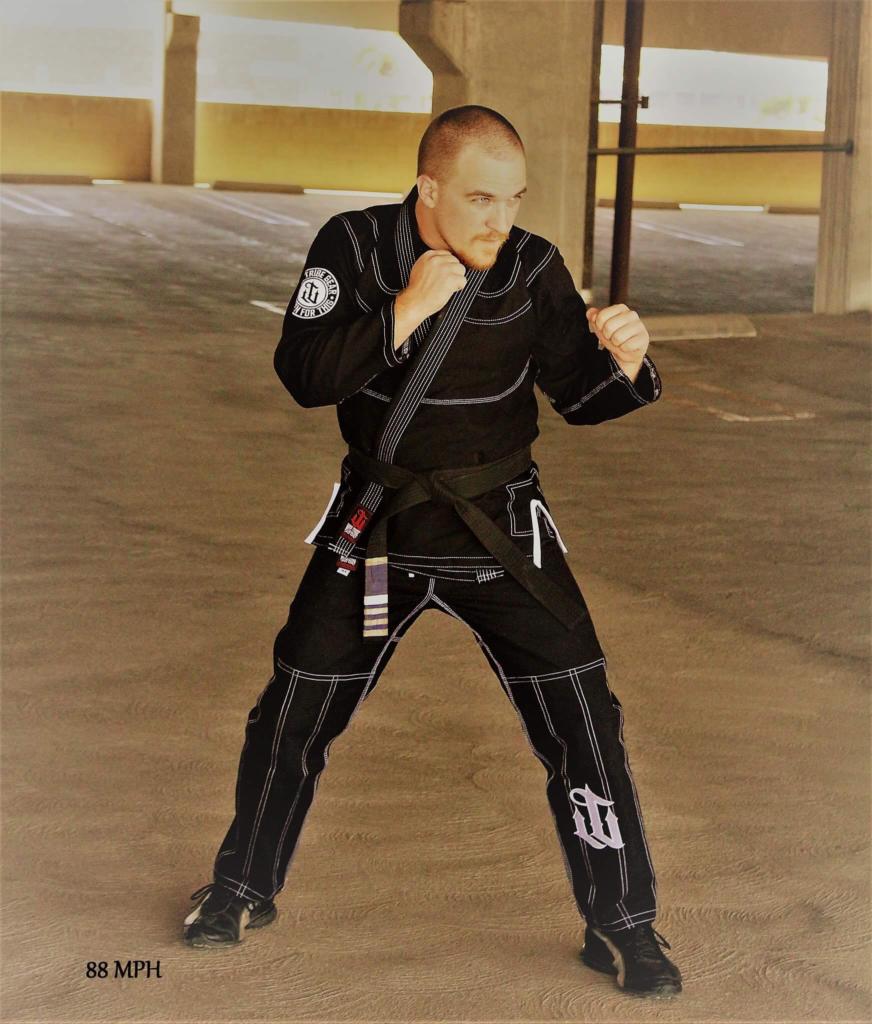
[[620, 330], [435, 277]]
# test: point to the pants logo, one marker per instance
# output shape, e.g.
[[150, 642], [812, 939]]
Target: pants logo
[[599, 836]]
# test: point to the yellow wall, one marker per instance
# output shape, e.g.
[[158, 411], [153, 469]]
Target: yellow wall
[[776, 179], [103, 137], [369, 150]]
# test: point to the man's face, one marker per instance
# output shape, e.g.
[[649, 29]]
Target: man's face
[[474, 208]]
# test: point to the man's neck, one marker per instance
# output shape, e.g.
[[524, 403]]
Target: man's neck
[[426, 230]]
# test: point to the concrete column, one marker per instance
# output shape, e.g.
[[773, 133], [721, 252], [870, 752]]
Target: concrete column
[[843, 281], [531, 62], [174, 111]]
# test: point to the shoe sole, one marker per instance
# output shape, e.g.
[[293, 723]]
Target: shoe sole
[[204, 942]]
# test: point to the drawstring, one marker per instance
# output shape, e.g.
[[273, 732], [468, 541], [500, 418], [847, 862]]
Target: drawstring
[[536, 506]]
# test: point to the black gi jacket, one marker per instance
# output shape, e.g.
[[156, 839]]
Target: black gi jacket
[[526, 325]]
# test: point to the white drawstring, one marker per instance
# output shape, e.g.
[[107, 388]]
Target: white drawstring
[[320, 522], [535, 507]]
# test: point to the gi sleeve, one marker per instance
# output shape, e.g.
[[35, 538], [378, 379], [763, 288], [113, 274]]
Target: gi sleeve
[[584, 383], [332, 344]]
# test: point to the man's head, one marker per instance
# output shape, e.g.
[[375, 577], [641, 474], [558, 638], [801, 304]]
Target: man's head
[[472, 172]]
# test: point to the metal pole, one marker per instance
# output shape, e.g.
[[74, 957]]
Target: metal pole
[[593, 140], [787, 147], [620, 271]]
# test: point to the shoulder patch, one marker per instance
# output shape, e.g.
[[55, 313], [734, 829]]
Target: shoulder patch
[[318, 293]]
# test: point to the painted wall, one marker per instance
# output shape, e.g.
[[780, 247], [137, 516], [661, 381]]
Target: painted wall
[[775, 179], [369, 150], [314, 147], [103, 137]]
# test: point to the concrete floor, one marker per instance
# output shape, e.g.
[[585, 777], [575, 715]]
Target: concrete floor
[[157, 482]]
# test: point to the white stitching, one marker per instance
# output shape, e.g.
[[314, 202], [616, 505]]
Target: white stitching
[[563, 773], [590, 394], [267, 783], [374, 223], [531, 479], [504, 682], [557, 675], [318, 724], [542, 263], [459, 401], [357, 254], [317, 676], [513, 277], [370, 679], [241, 888], [520, 311], [638, 808], [604, 782]]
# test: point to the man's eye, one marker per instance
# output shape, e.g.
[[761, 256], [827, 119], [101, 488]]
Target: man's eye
[[482, 199]]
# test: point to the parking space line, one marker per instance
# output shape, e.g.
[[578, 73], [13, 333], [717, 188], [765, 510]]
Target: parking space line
[[735, 417], [255, 213], [686, 234], [704, 385], [47, 209], [271, 306]]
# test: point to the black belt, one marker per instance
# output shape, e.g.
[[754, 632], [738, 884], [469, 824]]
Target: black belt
[[454, 488]]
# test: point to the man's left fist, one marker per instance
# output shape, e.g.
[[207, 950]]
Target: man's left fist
[[620, 330]]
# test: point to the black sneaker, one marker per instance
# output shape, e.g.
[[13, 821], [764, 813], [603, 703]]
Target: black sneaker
[[635, 956], [222, 916]]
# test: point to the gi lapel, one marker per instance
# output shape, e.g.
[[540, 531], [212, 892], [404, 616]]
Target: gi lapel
[[423, 368]]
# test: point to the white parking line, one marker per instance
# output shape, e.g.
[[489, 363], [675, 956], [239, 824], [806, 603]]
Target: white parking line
[[271, 306], [685, 233], [249, 210], [735, 417], [690, 236], [47, 208]]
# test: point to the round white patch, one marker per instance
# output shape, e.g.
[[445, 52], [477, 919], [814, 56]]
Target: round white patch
[[318, 293]]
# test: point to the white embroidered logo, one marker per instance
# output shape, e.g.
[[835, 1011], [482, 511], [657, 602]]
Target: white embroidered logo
[[597, 836], [317, 294]]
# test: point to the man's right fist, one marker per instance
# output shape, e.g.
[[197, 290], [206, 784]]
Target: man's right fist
[[435, 277]]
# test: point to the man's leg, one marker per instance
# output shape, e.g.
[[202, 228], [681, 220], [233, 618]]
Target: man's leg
[[322, 673], [556, 680]]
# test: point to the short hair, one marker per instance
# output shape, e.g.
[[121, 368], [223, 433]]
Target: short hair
[[448, 133]]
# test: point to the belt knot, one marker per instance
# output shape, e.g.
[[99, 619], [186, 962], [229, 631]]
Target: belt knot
[[436, 488]]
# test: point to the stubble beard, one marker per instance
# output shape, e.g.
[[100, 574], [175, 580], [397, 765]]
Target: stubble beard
[[475, 263]]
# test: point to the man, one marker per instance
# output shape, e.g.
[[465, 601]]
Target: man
[[427, 323]]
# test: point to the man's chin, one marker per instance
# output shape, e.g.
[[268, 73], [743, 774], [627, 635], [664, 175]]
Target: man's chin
[[477, 262]]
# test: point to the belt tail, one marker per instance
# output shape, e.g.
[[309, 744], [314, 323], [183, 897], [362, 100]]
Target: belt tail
[[375, 598]]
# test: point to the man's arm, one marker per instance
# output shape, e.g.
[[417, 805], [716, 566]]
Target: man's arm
[[331, 345], [584, 382]]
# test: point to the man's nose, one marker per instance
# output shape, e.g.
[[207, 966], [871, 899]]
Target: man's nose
[[500, 220]]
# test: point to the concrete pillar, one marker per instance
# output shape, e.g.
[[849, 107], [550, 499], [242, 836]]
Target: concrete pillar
[[174, 111], [531, 62], [843, 281]]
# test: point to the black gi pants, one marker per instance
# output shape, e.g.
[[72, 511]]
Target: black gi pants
[[554, 677]]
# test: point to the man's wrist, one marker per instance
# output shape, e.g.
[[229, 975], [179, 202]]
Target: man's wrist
[[630, 369], [407, 316]]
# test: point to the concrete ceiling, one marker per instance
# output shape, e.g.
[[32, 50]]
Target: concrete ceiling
[[774, 27], [379, 14]]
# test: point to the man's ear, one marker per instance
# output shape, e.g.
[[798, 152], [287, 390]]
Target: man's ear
[[428, 190]]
